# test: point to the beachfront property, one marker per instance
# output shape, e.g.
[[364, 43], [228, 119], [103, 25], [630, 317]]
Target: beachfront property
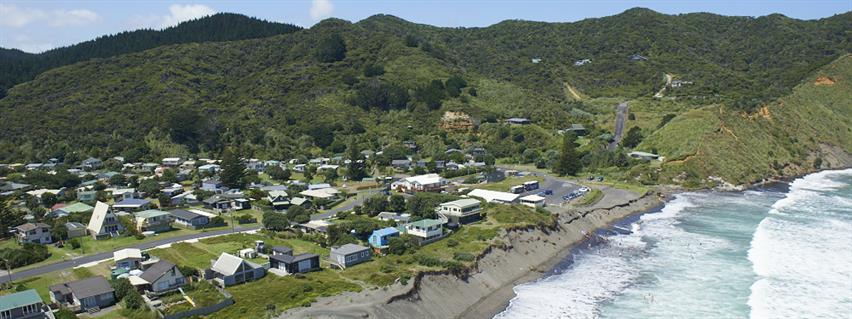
[[462, 211], [153, 220], [33, 233], [87, 294], [533, 201], [23, 305], [162, 277], [128, 258], [490, 196], [349, 255], [425, 230], [420, 183], [132, 205], [380, 238], [297, 264], [229, 270], [188, 219], [104, 223]]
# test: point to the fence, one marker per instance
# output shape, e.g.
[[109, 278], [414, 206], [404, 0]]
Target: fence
[[203, 311]]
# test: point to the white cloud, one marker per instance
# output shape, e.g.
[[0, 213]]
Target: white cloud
[[12, 16], [16, 17], [177, 13], [77, 17], [321, 9]]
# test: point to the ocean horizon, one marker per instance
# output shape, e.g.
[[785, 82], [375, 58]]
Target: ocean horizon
[[775, 252]]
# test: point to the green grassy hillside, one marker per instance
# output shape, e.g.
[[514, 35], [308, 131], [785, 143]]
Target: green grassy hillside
[[384, 80], [785, 136]]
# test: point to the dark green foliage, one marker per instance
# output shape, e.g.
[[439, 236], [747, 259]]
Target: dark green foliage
[[355, 170], [633, 137], [233, 170], [396, 203], [133, 300], [19, 257], [379, 95], [75, 243], [463, 256], [374, 205], [149, 187], [298, 213], [666, 118], [422, 205], [452, 242], [373, 70], [188, 271], [402, 245], [40, 178], [431, 94], [122, 287], [331, 49], [18, 67], [218, 220], [411, 41], [454, 85], [59, 231], [278, 173], [569, 161], [275, 221], [818, 163]]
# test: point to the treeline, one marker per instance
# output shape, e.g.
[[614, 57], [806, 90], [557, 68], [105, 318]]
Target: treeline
[[17, 66]]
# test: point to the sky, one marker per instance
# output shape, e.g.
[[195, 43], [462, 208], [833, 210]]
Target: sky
[[36, 26]]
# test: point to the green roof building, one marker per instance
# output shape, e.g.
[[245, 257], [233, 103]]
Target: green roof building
[[24, 305]]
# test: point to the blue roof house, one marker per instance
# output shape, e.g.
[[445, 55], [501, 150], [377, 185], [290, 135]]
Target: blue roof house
[[381, 237]]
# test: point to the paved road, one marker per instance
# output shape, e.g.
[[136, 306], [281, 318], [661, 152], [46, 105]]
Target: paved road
[[559, 187], [17, 275], [621, 111], [359, 199]]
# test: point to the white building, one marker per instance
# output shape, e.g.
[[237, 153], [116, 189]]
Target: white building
[[420, 183], [533, 201], [494, 196]]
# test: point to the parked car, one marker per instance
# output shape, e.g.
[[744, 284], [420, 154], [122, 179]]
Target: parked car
[[584, 189], [600, 178]]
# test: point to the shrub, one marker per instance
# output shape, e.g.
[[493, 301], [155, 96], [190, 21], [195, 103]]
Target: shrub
[[452, 243], [133, 300], [428, 260], [463, 256], [385, 268], [75, 243]]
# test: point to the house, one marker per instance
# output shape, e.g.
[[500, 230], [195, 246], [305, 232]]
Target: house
[[349, 255], [83, 295], [38, 193], [577, 129], [279, 200], [104, 222], [120, 194], [87, 196], [518, 121], [420, 183], [218, 203], [171, 191], [582, 62], [209, 168], [494, 196], [132, 205], [301, 201], [33, 166], [282, 250], [401, 164], [187, 198], [254, 165], [128, 258], [680, 83], [213, 185], [533, 201], [91, 164], [163, 276], [380, 238], [241, 203], [327, 167], [153, 220], [189, 219], [319, 186], [638, 57], [297, 264], [425, 230], [23, 305], [462, 211], [172, 161], [396, 217], [316, 226], [410, 144], [230, 270], [644, 156], [323, 193], [300, 168], [38, 233], [75, 229]]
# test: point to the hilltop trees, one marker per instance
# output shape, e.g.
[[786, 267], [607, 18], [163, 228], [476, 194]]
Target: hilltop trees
[[331, 49], [568, 162]]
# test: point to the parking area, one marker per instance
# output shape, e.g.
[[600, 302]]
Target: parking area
[[559, 188]]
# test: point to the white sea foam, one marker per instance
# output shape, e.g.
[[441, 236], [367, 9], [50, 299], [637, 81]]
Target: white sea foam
[[802, 255]]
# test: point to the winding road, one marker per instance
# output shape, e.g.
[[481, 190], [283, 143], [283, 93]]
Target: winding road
[[68, 264], [620, 113]]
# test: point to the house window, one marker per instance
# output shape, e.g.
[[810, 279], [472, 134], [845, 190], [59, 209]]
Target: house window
[[6, 314]]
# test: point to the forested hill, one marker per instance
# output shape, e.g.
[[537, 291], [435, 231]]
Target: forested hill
[[384, 80], [17, 66]]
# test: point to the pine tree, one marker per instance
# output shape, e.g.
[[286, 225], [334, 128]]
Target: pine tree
[[233, 170], [355, 169], [569, 161]]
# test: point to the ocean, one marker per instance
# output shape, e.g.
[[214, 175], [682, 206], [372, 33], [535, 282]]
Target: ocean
[[780, 252]]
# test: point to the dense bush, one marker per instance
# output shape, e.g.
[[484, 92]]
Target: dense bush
[[26, 255]]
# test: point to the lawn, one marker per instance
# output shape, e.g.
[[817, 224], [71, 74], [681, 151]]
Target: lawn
[[592, 197]]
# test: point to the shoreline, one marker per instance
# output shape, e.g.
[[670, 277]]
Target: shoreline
[[529, 255]]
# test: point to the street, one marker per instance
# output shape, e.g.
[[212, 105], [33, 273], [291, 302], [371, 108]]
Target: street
[[621, 111]]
